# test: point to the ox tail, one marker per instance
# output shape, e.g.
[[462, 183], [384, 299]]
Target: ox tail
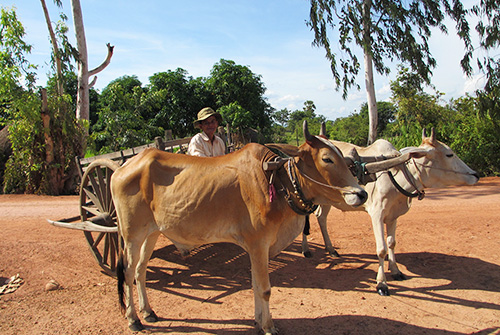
[[120, 274]]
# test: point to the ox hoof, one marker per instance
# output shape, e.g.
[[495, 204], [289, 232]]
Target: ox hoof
[[136, 326], [383, 290], [151, 317], [399, 276], [307, 254], [333, 253], [273, 331]]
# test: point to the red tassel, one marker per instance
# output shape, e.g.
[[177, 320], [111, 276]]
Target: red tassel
[[272, 192]]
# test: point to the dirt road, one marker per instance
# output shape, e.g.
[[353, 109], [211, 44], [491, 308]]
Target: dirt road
[[448, 246]]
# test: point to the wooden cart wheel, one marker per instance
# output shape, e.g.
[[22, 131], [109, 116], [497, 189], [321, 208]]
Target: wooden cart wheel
[[96, 205]]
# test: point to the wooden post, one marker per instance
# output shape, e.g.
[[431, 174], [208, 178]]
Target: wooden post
[[159, 144], [168, 135]]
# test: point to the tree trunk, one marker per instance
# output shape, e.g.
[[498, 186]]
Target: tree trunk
[[54, 173], [369, 83], [82, 100], [57, 59], [372, 100]]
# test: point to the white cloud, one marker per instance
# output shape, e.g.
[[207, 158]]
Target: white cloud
[[473, 83]]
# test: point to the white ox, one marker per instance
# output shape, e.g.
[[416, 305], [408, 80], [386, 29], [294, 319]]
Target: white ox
[[197, 200], [437, 167]]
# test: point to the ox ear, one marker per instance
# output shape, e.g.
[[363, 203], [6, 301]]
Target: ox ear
[[288, 149]]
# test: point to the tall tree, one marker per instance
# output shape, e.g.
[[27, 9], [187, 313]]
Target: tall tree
[[55, 48], [119, 124], [172, 101], [44, 140], [383, 30], [82, 103], [232, 83], [488, 13]]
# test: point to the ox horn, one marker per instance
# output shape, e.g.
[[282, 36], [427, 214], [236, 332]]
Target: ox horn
[[392, 162], [322, 131], [433, 135], [307, 134]]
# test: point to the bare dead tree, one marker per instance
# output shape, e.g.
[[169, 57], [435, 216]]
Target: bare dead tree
[[82, 101]]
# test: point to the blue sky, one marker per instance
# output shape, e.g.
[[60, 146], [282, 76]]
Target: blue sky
[[268, 36]]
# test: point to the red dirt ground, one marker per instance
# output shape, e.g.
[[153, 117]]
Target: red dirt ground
[[448, 246]]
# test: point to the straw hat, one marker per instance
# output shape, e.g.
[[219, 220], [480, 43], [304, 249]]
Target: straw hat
[[204, 114]]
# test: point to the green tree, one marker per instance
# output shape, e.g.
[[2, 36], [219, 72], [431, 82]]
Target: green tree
[[416, 109], [382, 30], [15, 70], [173, 100], [296, 120], [119, 125], [230, 83], [282, 116], [473, 137], [354, 128], [44, 138], [488, 13], [489, 96], [236, 116]]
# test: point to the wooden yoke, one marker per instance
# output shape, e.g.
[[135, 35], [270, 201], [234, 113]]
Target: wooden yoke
[[392, 162], [274, 165]]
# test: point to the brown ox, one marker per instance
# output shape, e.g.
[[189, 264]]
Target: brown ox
[[198, 200], [438, 166]]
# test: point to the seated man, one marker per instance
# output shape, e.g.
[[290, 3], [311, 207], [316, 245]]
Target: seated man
[[206, 143]]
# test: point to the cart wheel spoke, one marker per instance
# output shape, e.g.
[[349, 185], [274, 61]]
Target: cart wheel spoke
[[96, 201], [91, 210], [94, 198], [109, 200], [94, 192], [98, 240]]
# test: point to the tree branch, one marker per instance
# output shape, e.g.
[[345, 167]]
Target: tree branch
[[105, 63], [92, 83]]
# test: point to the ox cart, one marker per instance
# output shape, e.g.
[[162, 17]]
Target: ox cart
[[97, 217]]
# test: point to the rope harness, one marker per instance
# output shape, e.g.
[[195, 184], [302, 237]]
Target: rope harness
[[295, 198], [418, 194], [358, 169]]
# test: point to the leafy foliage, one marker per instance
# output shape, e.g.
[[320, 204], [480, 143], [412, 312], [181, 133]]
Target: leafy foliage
[[236, 116], [119, 126], [293, 121], [354, 128], [231, 83], [28, 170], [130, 115], [385, 30], [15, 70], [42, 156], [473, 137], [173, 100], [468, 125]]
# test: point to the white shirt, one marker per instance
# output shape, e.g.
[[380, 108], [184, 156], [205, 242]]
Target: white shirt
[[200, 145]]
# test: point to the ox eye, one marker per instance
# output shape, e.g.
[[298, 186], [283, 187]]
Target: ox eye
[[449, 155], [327, 160]]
